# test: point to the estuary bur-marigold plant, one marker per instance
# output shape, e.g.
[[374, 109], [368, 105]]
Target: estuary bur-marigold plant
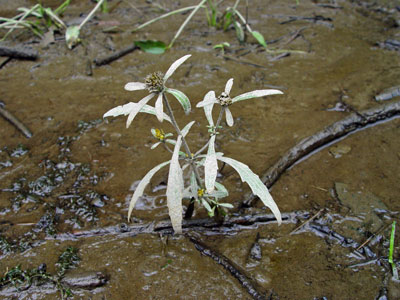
[[206, 190]]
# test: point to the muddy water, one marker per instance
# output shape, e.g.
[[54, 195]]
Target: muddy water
[[78, 172]]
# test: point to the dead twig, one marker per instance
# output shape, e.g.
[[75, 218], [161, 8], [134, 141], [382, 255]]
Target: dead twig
[[357, 120], [383, 228], [20, 53], [229, 266], [308, 221], [116, 55], [14, 121], [206, 226]]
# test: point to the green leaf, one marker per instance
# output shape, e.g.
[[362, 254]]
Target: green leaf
[[259, 37], [239, 31], [59, 10], [175, 188], [142, 185], [153, 47], [227, 20], [182, 98], [255, 184]]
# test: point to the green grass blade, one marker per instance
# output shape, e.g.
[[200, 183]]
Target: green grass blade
[[164, 16], [178, 33]]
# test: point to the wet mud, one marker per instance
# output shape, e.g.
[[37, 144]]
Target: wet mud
[[70, 184]]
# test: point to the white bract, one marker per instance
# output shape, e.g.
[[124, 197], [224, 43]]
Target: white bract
[[155, 84], [225, 99]]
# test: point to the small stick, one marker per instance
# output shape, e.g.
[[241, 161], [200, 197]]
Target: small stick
[[17, 123], [20, 53], [308, 221], [383, 228], [330, 134], [114, 56], [228, 265]]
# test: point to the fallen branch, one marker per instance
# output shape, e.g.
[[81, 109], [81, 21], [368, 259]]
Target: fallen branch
[[17, 123], [206, 226], [228, 265], [320, 139], [114, 56], [20, 53]]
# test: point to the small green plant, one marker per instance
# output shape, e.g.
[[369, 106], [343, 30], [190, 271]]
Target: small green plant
[[391, 249], [187, 164], [22, 279], [44, 17], [222, 47], [215, 18], [72, 33]]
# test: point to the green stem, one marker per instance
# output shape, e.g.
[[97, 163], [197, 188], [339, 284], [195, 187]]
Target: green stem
[[164, 16], [243, 20], [185, 144], [25, 15], [90, 15], [221, 113], [185, 22]]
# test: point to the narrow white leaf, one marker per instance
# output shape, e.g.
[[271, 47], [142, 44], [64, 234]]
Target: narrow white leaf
[[173, 142], [227, 205], [228, 86], [155, 145], [135, 86], [137, 108], [182, 98], [209, 97], [175, 189], [222, 189], [207, 101], [127, 108], [175, 66], [229, 117], [217, 194], [159, 108], [256, 94], [186, 129], [193, 185], [206, 205], [210, 166], [255, 184], [142, 185]]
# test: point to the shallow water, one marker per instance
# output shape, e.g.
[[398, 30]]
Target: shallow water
[[79, 171]]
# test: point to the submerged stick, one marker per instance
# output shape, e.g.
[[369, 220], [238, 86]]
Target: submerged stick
[[206, 226], [320, 139], [114, 56], [228, 265], [17, 123], [20, 53]]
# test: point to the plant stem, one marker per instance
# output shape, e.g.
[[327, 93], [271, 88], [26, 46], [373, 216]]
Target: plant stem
[[185, 144], [90, 15], [244, 21], [164, 16], [221, 113], [20, 21], [185, 22]]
